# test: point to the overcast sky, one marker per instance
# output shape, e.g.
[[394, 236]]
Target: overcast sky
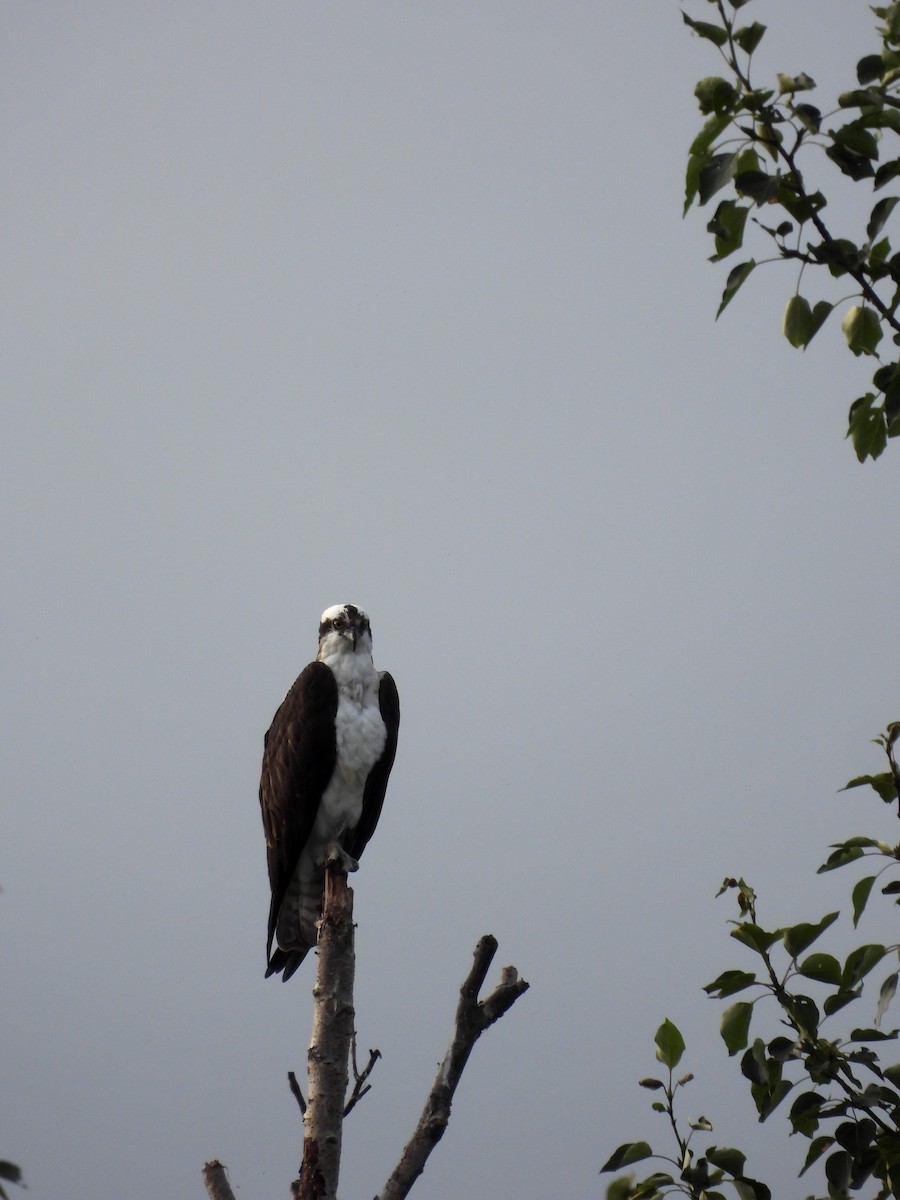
[[394, 304]]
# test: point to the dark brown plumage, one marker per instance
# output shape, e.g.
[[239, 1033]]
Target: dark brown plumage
[[300, 758]]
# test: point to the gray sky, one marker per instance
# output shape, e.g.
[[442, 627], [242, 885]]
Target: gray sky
[[394, 304]]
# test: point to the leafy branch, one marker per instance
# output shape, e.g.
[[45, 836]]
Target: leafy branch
[[751, 144], [844, 1101], [691, 1175]]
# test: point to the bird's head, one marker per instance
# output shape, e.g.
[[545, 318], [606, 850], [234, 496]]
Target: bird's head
[[344, 629]]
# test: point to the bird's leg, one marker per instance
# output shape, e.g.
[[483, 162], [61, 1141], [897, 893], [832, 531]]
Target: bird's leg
[[336, 856]]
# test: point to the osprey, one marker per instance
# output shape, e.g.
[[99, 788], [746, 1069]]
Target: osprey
[[326, 761]]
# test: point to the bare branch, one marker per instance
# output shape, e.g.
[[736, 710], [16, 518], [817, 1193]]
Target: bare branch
[[472, 1018], [295, 1091], [215, 1180], [360, 1086]]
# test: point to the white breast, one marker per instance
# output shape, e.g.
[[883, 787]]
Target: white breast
[[360, 738], [361, 734]]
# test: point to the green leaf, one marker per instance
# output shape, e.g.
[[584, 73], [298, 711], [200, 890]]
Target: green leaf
[[860, 962], [748, 37], [669, 1045], [627, 1153], [861, 893], [889, 1148], [879, 217], [839, 1172], [802, 323], [861, 98], [869, 69], [872, 1035], [817, 1148], [856, 166], [839, 858], [823, 967], [809, 116], [651, 1187], [805, 1014], [713, 33], [692, 179], [862, 329], [887, 379], [886, 172], [755, 1065], [856, 1136], [767, 1098], [735, 1025], [879, 253], [728, 227], [799, 206], [841, 998], [885, 996], [759, 185], [797, 321], [621, 1189], [730, 982], [789, 84], [820, 315], [756, 938], [783, 1049], [751, 1189], [867, 428], [882, 118], [708, 134], [858, 138], [839, 254], [737, 276], [800, 937], [804, 1114], [727, 1159], [715, 95], [716, 173], [883, 784]]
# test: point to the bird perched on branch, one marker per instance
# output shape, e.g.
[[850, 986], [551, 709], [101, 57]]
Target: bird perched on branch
[[326, 761]]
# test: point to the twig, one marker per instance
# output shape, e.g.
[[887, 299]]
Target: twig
[[473, 1016], [296, 1092], [215, 1180], [360, 1086]]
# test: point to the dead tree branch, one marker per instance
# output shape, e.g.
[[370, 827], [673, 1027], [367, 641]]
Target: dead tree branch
[[296, 1091], [215, 1180], [473, 1016], [360, 1084], [329, 1050]]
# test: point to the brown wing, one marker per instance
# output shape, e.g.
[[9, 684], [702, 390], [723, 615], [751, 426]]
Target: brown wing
[[299, 755], [376, 784]]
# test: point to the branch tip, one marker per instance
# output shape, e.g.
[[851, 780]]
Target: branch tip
[[215, 1180]]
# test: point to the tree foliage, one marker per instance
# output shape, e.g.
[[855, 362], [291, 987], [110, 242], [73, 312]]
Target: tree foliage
[[757, 154], [788, 1016], [826, 1072]]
